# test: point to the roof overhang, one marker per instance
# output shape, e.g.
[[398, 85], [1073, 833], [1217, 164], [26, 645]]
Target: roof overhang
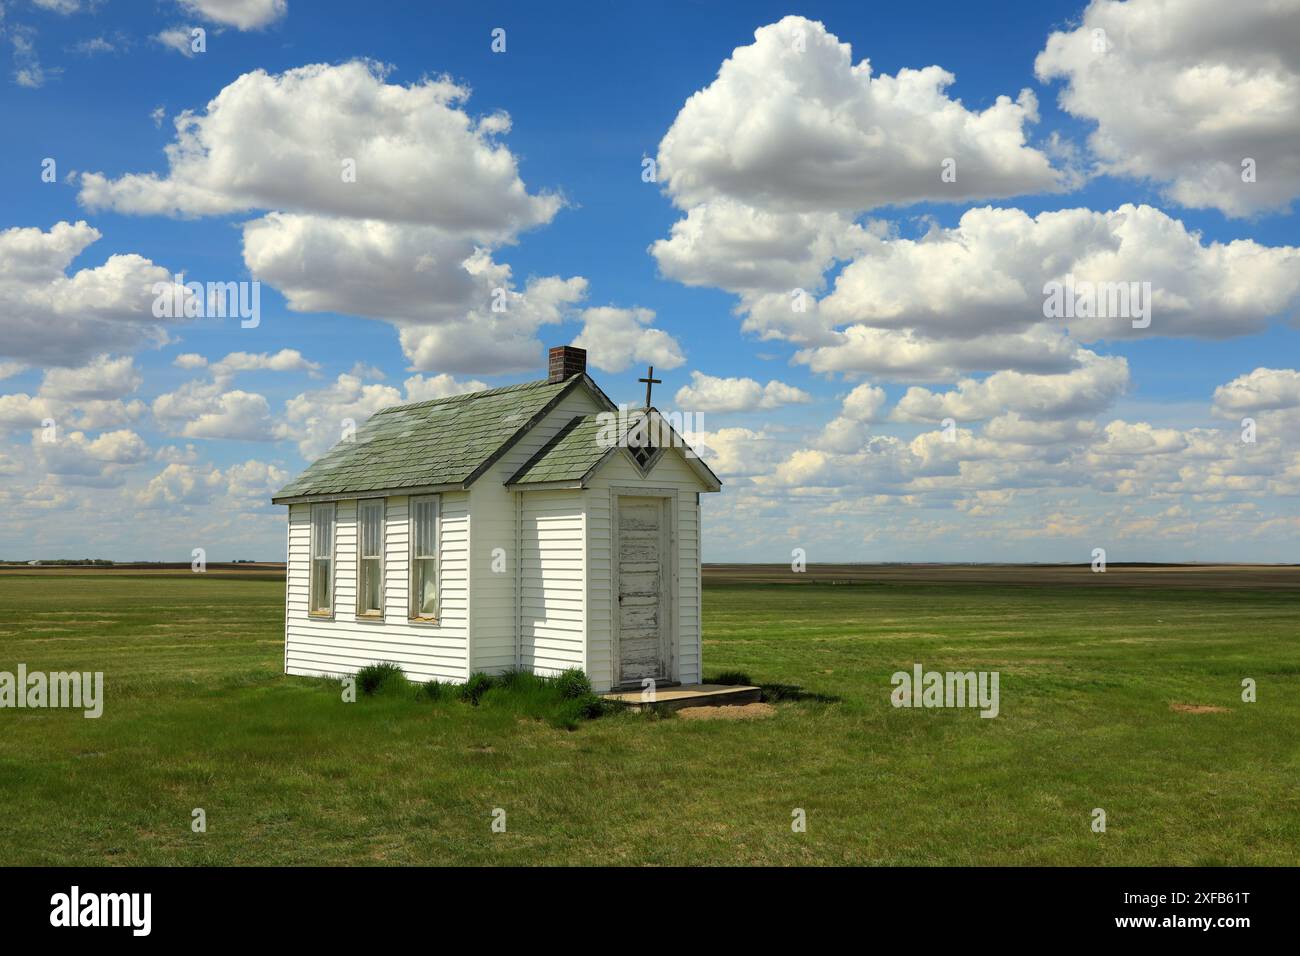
[[369, 493], [569, 485]]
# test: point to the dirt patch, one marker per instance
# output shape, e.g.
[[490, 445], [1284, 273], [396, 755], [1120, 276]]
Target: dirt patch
[[728, 712], [1198, 709]]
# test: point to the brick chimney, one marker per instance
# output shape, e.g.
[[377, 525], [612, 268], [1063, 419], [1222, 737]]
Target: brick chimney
[[566, 361]]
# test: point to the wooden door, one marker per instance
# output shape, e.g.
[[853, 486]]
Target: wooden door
[[642, 543]]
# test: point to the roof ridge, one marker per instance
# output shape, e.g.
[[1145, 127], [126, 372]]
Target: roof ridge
[[463, 396]]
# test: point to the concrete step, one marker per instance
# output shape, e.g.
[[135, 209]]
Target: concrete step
[[688, 695]]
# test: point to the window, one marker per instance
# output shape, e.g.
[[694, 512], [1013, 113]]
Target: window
[[321, 598], [370, 557], [424, 558], [640, 443]]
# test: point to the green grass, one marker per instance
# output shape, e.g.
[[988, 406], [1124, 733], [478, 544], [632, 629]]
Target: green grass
[[197, 714]]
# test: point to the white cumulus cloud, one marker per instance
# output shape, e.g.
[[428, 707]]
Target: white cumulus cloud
[[709, 393], [241, 14], [52, 318], [616, 338], [1184, 91], [792, 123]]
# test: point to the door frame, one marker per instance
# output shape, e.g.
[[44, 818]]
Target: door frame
[[669, 611]]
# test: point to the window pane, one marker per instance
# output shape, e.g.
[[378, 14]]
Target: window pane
[[425, 521], [371, 591], [426, 588], [430, 529], [371, 519], [320, 585], [322, 537]]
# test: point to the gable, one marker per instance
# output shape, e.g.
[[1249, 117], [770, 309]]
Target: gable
[[589, 443]]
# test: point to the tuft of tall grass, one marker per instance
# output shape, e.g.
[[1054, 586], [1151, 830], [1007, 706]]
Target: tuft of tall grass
[[383, 677], [437, 690], [573, 684], [472, 690]]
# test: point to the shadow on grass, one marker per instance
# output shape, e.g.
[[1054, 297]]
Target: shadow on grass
[[772, 693], [778, 693]]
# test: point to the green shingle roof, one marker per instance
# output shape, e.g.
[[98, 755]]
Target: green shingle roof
[[441, 442], [568, 456]]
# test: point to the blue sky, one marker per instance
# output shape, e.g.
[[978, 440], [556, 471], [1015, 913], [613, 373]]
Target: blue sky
[[1145, 460]]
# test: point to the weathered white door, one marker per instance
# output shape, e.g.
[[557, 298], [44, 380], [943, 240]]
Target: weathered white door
[[642, 537]]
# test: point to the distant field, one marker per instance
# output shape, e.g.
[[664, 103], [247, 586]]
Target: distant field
[[1018, 575], [257, 570], [199, 715]]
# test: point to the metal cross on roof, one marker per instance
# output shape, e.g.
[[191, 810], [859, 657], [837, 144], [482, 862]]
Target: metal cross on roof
[[650, 382]]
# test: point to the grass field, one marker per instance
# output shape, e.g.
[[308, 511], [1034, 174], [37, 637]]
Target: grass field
[[198, 715]]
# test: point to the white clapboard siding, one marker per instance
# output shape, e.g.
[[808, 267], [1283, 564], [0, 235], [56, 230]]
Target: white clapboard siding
[[673, 474], [493, 641], [315, 646], [552, 582]]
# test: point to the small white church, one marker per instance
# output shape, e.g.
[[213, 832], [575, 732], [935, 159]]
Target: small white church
[[535, 527]]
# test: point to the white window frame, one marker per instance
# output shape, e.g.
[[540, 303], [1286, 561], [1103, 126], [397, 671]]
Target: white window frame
[[312, 602], [412, 612], [652, 453], [362, 611]]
